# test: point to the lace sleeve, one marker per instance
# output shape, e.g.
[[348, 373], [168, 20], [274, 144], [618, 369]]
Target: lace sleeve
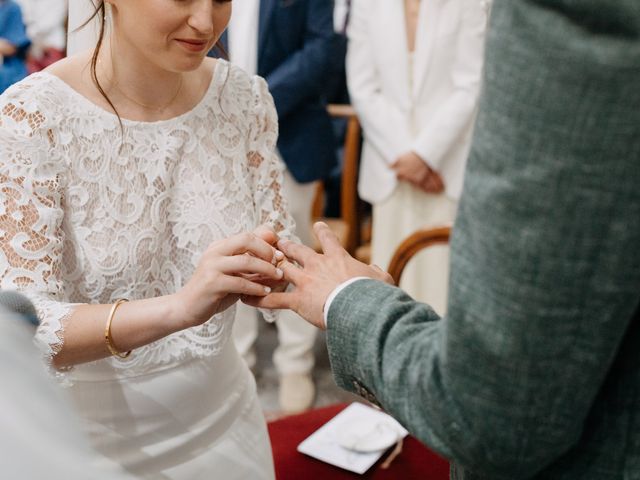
[[31, 195], [266, 165], [268, 169]]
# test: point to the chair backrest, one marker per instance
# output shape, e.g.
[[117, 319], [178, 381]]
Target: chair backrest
[[349, 208], [414, 243]]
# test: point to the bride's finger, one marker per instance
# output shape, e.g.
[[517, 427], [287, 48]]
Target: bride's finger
[[283, 300], [259, 278], [267, 234], [242, 286], [248, 264], [291, 274], [263, 279], [244, 243]]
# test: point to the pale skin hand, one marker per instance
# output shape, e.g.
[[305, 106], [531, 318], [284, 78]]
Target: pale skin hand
[[222, 275], [409, 167], [316, 276], [276, 285]]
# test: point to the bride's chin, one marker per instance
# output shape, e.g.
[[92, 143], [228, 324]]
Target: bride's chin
[[188, 65]]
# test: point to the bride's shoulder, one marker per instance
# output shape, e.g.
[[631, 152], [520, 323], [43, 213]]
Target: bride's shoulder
[[42, 94], [27, 91], [31, 112], [247, 91], [74, 71], [28, 106], [70, 68]]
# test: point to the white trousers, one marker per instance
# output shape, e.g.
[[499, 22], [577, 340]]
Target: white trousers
[[296, 337], [406, 210]]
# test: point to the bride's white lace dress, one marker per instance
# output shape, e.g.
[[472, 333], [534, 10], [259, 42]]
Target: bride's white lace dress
[[90, 213]]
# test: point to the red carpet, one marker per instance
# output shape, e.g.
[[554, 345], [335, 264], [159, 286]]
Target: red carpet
[[415, 461]]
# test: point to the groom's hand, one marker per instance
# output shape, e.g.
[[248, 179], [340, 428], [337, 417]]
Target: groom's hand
[[316, 276]]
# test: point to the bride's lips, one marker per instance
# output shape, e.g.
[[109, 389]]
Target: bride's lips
[[192, 45]]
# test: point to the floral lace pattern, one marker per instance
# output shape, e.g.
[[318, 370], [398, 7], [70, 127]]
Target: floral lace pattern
[[90, 214]]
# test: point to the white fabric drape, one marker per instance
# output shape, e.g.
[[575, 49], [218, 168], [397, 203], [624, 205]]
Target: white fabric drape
[[36, 418], [87, 36]]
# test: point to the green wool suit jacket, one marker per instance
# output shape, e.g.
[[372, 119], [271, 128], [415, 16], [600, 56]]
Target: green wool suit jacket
[[535, 370]]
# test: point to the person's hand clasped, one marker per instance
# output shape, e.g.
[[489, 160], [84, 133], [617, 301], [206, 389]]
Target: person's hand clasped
[[315, 276], [244, 264], [409, 167]]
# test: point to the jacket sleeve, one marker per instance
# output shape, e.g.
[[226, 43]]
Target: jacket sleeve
[[545, 269], [302, 75]]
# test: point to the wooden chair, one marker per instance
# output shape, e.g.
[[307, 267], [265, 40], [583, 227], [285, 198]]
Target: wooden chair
[[347, 226], [414, 243]]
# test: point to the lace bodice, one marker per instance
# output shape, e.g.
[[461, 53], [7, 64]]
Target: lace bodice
[[89, 214]]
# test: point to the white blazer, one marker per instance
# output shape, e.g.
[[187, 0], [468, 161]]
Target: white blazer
[[432, 112]]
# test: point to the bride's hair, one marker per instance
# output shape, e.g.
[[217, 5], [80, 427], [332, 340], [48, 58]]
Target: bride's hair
[[101, 13]]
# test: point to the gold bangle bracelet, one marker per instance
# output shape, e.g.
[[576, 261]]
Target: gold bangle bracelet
[[107, 331]]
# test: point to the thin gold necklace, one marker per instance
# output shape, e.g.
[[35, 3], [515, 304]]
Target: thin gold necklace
[[116, 85], [147, 106]]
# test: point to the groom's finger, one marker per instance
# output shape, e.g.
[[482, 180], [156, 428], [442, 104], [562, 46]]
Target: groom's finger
[[296, 251], [328, 240], [291, 273]]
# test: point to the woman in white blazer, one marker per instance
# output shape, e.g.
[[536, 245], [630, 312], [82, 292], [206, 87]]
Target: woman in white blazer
[[414, 72]]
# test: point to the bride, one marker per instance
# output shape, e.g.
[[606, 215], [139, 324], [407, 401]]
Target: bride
[[129, 174]]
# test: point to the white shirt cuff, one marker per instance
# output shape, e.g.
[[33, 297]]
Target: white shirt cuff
[[334, 294]]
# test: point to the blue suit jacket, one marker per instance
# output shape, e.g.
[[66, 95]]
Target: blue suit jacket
[[297, 48], [13, 68]]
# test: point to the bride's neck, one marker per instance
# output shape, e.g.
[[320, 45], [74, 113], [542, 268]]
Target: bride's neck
[[126, 73]]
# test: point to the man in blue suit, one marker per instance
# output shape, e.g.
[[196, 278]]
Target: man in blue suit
[[292, 44]]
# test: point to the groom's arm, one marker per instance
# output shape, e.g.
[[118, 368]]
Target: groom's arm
[[545, 269], [545, 258]]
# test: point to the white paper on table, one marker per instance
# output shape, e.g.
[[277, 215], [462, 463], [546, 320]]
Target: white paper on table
[[323, 443]]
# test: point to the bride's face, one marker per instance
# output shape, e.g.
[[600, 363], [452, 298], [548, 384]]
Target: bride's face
[[173, 34]]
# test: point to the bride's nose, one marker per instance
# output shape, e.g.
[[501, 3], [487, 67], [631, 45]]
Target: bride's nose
[[201, 17]]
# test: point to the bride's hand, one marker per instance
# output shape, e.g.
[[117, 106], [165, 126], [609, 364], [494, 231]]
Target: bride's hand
[[220, 277], [267, 234]]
